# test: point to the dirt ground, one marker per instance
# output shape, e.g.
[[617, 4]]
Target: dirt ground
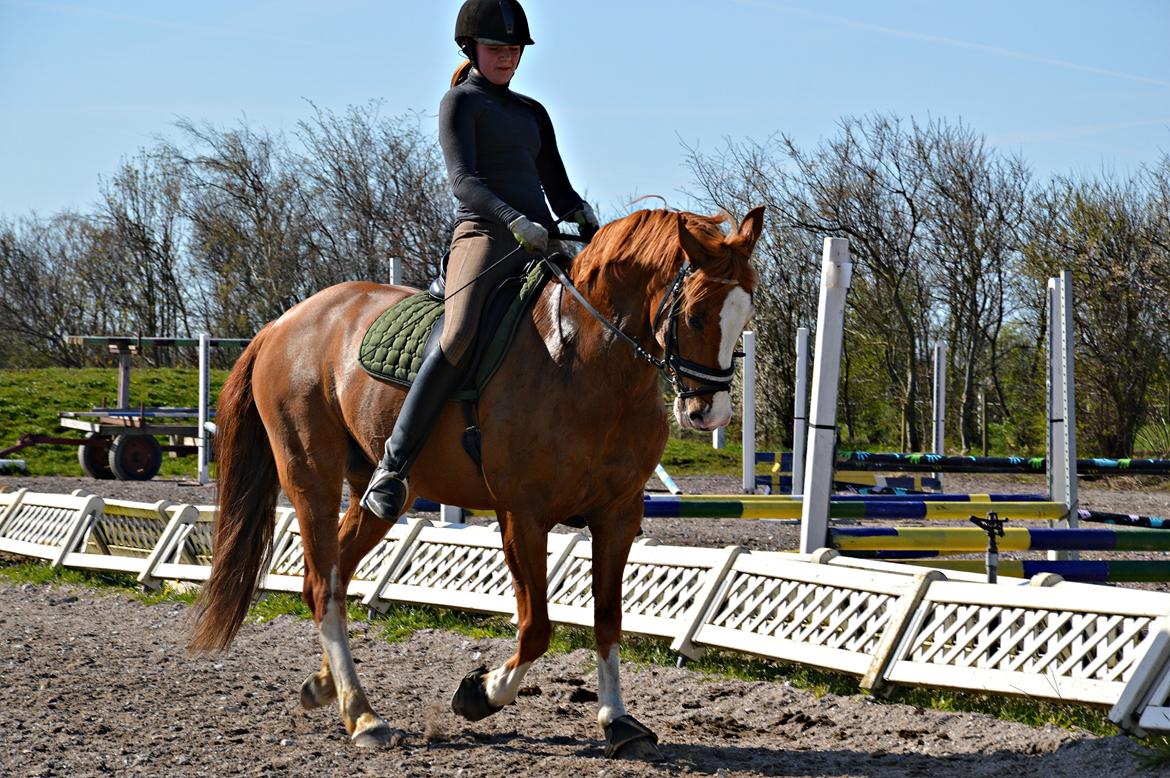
[[101, 684]]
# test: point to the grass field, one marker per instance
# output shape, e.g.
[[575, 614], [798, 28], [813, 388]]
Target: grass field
[[31, 400]]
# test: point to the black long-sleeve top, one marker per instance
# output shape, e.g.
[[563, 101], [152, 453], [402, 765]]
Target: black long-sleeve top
[[501, 154]]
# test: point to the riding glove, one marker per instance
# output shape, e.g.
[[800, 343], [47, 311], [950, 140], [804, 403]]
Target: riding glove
[[585, 219], [531, 236]]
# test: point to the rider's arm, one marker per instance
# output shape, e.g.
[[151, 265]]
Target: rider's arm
[[457, 116], [560, 193]]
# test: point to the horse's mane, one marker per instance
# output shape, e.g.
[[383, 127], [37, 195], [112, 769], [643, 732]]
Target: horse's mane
[[649, 240]]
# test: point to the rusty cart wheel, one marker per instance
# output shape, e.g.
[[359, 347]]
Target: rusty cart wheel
[[94, 458], [135, 457]]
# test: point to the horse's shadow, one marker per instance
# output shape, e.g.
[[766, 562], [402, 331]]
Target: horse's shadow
[[711, 759]]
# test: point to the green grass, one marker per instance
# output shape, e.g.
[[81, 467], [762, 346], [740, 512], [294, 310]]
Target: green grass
[[687, 454], [31, 401]]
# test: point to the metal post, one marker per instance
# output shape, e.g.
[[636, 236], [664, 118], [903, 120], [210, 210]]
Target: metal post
[[204, 439], [836, 274], [396, 271], [800, 411], [749, 412], [940, 403], [124, 357], [1056, 419], [718, 437], [1068, 398]]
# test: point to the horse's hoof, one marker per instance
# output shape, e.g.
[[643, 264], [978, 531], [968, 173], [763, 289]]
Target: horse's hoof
[[470, 699], [378, 736], [628, 738], [316, 694]]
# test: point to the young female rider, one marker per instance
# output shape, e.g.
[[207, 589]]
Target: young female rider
[[502, 161]]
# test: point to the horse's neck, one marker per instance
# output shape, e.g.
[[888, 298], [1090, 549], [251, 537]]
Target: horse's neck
[[627, 302]]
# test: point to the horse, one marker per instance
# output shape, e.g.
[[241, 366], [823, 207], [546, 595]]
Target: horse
[[657, 292]]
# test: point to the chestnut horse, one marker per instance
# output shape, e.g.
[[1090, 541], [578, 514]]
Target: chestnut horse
[[575, 395]]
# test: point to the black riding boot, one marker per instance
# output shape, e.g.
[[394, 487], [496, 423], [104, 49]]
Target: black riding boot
[[437, 380]]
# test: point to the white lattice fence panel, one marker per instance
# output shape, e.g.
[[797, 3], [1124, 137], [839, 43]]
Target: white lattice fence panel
[[287, 570], [659, 587], [185, 553], [1066, 642], [8, 503], [789, 609], [48, 526], [127, 528], [458, 567]]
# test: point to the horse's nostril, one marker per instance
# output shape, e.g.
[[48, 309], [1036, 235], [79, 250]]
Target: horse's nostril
[[696, 415]]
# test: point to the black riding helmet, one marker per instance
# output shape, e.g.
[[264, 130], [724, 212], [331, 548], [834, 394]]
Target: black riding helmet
[[495, 22]]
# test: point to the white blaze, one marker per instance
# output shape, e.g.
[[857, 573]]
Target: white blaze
[[737, 307]]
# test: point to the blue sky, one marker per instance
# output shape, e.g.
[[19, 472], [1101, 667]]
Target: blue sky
[[1073, 86]]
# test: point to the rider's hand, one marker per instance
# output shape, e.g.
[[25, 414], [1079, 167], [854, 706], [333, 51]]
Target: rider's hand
[[585, 219], [532, 236]]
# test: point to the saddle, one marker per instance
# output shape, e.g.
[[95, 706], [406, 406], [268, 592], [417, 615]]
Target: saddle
[[394, 346]]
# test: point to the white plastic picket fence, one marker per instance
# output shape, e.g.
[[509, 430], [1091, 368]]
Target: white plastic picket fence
[[885, 623]]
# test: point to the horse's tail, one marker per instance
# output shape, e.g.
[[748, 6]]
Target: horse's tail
[[247, 488]]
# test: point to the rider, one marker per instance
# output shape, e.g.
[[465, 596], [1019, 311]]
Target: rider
[[502, 161]]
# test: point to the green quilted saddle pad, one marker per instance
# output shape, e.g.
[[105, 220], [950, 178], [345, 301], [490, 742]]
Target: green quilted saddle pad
[[394, 346]]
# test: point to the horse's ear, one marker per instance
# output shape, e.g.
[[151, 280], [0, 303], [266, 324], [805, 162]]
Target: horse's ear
[[749, 230], [690, 244]]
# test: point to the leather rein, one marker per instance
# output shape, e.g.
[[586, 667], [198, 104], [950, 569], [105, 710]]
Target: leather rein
[[673, 366]]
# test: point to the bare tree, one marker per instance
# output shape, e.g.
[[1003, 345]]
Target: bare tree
[[141, 246], [375, 190], [1107, 234], [249, 225], [977, 207]]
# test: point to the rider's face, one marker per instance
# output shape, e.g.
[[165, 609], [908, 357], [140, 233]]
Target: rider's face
[[497, 63]]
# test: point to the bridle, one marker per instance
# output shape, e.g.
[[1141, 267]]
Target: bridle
[[673, 366]]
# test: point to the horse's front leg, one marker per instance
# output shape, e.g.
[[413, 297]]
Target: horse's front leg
[[625, 736], [483, 692]]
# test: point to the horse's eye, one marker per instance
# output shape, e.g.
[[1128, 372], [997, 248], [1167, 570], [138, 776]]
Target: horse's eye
[[695, 322]]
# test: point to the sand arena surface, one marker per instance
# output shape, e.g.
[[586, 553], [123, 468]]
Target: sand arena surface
[[101, 684]]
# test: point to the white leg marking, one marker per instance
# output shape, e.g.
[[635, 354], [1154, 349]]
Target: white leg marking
[[609, 688], [335, 643], [502, 684]]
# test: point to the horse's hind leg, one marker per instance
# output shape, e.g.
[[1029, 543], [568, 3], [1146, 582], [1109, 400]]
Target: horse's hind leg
[[360, 531], [483, 693], [310, 470]]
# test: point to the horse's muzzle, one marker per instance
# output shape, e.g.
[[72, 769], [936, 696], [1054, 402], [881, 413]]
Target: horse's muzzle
[[703, 413]]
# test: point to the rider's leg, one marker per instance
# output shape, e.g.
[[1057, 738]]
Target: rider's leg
[[474, 248]]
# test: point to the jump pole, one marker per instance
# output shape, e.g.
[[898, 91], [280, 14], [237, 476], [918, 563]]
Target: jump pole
[[836, 275], [800, 410], [749, 412]]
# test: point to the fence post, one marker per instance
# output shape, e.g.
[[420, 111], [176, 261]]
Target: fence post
[[836, 274], [1068, 398], [940, 403], [749, 412], [204, 439]]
